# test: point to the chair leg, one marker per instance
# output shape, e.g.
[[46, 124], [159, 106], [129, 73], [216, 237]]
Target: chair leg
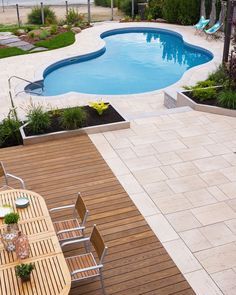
[[102, 283]]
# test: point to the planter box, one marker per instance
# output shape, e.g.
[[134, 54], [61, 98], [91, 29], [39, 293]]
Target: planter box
[[184, 100], [71, 133]]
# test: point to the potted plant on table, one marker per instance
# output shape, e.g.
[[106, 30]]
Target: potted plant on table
[[11, 220], [23, 271]]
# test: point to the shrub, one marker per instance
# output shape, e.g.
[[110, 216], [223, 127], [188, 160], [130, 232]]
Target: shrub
[[154, 9], [34, 17], [74, 17], [38, 119], [73, 118], [227, 99], [126, 7], [44, 34], [185, 12], [53, 29], [204, 94], [220, 76], [11, 218], [31, 35], [9, 131]]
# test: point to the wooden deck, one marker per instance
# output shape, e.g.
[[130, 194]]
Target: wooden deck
[[136, 262]]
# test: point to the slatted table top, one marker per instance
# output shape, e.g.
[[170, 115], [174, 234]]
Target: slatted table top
[[51, 274]]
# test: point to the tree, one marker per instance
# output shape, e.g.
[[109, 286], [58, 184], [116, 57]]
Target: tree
[[203, 10]]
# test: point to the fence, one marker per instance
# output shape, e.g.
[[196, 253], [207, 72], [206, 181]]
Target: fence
[[16, 13]]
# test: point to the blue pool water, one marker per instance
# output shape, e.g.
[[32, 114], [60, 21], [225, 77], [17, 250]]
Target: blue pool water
[[133, 61]]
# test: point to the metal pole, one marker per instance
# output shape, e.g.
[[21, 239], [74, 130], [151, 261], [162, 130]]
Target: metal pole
[[42, 13], [112, 10], [228, 31], [18, 14], [66, 7], [3, 7], [89, 12], [132, 12]]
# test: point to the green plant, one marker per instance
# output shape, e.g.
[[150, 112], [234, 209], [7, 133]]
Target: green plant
[[99, 106], [154, 9], [11, 218], [73, 118], [35, 17], [185, 12], [220, 76], [58, 41], [204, 93], [44, 34], [9, 131], [38, 119], [74, 17], [137, 18], [23, 271], [31, 35], [227, 99], [53, 29]]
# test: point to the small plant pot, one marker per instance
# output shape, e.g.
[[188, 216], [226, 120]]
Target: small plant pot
[[25, 278]]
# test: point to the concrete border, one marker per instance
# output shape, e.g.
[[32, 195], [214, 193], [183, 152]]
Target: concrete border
[[27, 140], [184, 100]]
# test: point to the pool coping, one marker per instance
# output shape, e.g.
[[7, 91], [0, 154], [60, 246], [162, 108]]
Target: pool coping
[[96, 33]]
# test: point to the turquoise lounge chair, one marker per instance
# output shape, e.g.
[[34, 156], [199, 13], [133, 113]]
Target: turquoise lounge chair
[[200, 26], [213, 29]]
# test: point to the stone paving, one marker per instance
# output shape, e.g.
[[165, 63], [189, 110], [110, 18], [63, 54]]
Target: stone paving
[[180, 171], [10, 40]]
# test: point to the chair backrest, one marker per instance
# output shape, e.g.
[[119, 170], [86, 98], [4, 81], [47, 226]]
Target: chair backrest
[[98, 243], [81, 209], [216, 27], [2, 170]]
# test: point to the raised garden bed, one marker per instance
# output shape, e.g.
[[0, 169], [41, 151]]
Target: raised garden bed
[[185, 98], [110, 120]]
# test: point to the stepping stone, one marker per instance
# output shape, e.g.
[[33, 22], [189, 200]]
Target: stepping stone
[[9, 41], [5, 34], [18, 43], [26, 47], [38, 49]]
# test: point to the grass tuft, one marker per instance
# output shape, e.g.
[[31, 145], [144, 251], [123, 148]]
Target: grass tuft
[[58, 41]]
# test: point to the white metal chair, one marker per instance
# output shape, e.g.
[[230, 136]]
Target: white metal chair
[[6, 177], [71, 229], [84, 266]]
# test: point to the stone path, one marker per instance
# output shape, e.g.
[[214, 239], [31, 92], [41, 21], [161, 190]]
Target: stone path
[[10, 40]]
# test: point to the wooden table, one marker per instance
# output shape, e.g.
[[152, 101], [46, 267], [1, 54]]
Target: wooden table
[[51, 275]]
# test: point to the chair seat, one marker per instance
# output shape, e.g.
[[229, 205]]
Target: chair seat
[[67, 224], [82, 261]]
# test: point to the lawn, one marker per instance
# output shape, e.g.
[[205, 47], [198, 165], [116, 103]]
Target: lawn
[[58, 41], [11, 51]]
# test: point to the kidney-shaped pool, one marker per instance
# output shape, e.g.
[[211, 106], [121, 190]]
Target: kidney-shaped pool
[[134, 60]]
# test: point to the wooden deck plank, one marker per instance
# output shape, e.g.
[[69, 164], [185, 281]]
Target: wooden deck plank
[[136, 262]]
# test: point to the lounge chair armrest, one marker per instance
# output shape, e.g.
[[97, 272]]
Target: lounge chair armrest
[[86, 269], [61, 208], [74, 242], [17, 178], [70, 229]]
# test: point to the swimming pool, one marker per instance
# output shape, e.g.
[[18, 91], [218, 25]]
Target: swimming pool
[[134, 60]]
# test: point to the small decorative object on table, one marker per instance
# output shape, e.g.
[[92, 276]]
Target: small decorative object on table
[[11, 220], [23, 271], [9, 237], [22, 202], [5, 209], [10, 234], [22, 246]]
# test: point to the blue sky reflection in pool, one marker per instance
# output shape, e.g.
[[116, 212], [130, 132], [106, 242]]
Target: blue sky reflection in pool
[[134, 62]]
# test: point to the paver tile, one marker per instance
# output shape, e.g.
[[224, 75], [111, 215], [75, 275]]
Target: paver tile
[[211, 163], [218, 258], [183, 220], [226, 280], [195, 240], [200, 197], [214, 213], [185, 184]]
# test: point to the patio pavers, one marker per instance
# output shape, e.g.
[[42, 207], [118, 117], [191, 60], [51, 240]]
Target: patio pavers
[[185, 163]]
